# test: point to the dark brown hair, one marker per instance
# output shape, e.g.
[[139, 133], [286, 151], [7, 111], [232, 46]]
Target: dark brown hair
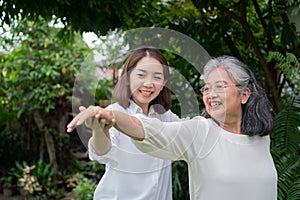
[[122, 93]]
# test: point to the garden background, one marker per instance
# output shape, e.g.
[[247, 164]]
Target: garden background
[[42, 50]]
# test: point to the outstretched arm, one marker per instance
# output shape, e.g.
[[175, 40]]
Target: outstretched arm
[[101, 138], [125, 123]]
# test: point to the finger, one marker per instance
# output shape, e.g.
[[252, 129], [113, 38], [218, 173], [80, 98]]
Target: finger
[[70, 129], [89, 122], [71, 125], [104, 114], [111, 124], [82, 108], [77, 121], [102, 123]]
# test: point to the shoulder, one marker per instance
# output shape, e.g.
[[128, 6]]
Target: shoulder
[[207, 121], [169, 116], [200, 121], [117, 107]]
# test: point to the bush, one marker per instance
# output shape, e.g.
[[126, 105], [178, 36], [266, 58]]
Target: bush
[[85, 190]]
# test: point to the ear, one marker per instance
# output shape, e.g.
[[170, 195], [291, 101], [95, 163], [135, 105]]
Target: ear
[[245, 94]]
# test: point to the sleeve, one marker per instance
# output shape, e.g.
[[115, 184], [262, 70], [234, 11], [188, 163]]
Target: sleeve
[[181, 140], [172, 117], [109, 157]]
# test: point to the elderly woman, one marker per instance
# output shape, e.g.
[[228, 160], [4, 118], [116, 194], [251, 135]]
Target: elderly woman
[[227, 149]]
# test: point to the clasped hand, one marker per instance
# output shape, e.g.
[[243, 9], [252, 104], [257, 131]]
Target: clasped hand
[[94, 118]]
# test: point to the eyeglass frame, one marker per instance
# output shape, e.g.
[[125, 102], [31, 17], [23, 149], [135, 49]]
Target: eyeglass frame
[[213, 87]]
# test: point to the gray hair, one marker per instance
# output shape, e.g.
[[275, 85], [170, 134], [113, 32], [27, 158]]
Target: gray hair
[[258, 116]]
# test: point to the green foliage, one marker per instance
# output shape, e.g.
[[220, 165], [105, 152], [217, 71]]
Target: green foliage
[[286, 139], [7, 181], [180, 181], [85, 190], [285, 149], [290, 66], [40, 171], [294, 191], [40, 68], [248, 30], [38, 74], [104, 89], [11, 142], [83, 182], [89, 15]]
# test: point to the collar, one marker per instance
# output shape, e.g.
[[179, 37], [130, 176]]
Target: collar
[[138, 110]]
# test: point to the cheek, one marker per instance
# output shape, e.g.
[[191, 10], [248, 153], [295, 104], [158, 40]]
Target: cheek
[[232, 102], [159, 87], [205, 101], [134, 85]]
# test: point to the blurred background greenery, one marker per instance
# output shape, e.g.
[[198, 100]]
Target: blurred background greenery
[[42, 50]]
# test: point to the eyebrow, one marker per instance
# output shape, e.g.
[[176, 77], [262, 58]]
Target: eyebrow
[[158, 73], [220, 81]]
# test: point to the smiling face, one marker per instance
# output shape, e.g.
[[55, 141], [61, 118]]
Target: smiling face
[[146, 81], [224, 105]]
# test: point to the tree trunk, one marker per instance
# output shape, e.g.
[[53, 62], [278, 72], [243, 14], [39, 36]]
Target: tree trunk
[[48, 140]]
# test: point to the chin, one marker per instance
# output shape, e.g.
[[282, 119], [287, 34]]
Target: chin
[[217, 117]]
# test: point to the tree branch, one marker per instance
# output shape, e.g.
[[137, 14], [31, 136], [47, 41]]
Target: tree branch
[[270, 78], [228, 40], [270, 43]]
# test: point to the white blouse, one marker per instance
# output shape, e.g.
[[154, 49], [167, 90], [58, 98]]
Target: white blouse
[[222, 165], [131, 174]]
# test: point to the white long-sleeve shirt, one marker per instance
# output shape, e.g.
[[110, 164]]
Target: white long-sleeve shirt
[[131, 174], [222, 165]]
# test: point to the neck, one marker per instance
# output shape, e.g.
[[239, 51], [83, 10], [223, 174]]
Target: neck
[[145, 110], [232, 125], [232, 128], [143, 106]]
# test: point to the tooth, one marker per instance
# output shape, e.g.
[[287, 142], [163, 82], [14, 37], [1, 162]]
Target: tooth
[[215, 104]]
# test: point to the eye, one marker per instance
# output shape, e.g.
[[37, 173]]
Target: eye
[[219, 86], [158, 78], [205, 89], [141, 75]]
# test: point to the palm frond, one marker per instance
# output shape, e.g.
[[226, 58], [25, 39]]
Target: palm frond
[[285, 149], [289, 65], [294, 191]]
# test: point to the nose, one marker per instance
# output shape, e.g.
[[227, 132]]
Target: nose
[[212, 93], [148, 83]]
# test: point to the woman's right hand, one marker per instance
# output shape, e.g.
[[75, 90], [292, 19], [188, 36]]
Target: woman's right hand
[[86, 115]]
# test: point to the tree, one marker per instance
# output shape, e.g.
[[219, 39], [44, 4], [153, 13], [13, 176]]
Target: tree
[[89, 15], [249, 30], [39, 73]]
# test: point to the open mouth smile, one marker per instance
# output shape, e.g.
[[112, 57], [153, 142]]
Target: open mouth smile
[[146, 93]]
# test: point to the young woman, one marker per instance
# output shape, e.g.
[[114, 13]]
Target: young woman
[[130, 174], [228, 151]]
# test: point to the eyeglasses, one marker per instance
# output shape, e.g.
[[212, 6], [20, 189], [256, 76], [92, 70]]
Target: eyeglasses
[[218, 88]]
